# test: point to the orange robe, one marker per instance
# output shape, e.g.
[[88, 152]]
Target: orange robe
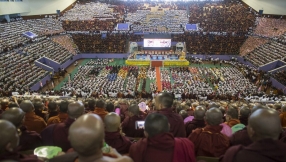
[[34, 123]]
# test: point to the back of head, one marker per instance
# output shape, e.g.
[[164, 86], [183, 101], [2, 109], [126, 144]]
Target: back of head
[[4, 104], [244, 112], [64, 106], [52, 106], [264, 123], [156, 124], [39, 106], [183, 114], [75, 110], [9, 136], [13, 104], [109, 107], [86, 135], [213, 116], [258, 107], [164, 100], [213, 105], [134, 109], [91, 104], [199, 113], [100, 103], [112, 122], [283, 108], [232, 113], [27, 106], [14, 115]]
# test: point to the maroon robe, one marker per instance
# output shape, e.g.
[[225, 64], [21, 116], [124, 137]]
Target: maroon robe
[[266, 150], [128, 126], [209, 141], [29, 140], [117, 141], [15, 156], [194, 124], [163, 147], [240, 138], [57, 134], [176, 122]]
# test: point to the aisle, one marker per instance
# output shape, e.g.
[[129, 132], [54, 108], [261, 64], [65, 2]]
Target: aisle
[[158, 77]]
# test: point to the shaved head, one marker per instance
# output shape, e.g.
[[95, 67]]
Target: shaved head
[[213, 116], [264, 123], [183, 114], [27, 106], [134, 109], [75, 109], [232, 112], [244, 112], [156, 124], [257, 107], [164, 100], [14, 115], [283, 108], [9, 136], [4, 104], [112, 122], [86, 135], [199, 113]]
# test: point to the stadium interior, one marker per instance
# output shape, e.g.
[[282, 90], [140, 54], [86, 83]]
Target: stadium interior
[[131, 65]]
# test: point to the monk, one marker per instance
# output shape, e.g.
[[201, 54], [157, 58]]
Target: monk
[[160, 144], [113, 135], [62, 116], [209, 141], [9, 143], [86, 136], [241, 137], [263, 129], [39, 108], [163, 104], [183, 114], [57, 134], [232, 117], [128, 124], [244, 115], [32, 121], [197, 122], [283, 116], [4, 105], [100, 108], [53, 109], [29, 140]]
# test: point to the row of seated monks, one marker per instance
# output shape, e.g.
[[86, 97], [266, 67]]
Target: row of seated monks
[[82, 132]]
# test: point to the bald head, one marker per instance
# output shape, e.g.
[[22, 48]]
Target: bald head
[[27, 106], [213, 116], [264, 123], [86, 135], [9, 137], [283, 108], [258, 107], [232, 113], [183, 113], [4, 104], [156, 124], [244, 112], [134, 109], [14, 115], [75, 109], [199, 113], [112, 122], [164, 100]]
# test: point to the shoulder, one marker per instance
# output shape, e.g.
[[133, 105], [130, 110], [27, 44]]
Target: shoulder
[[68, 157], [231, 153]]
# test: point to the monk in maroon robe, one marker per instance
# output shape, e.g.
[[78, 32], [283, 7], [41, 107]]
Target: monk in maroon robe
[[264, 128], [160, 144], [29, 140], [128, 124], [197, 122], [164, 102], [209, 141], [9, 143], [57, 134], [113, 136], [232, 117], [90, 129]]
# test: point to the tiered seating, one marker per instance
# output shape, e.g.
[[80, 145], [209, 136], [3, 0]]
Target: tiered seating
[[113, 43], [11, 35], [267, 53], [224, 17], [67, 42], [280, 76], [270, 27], [250, 44], [282, 38], [18, 71], [48, 49]]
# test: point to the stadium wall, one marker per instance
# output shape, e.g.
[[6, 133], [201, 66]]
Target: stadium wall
[[273, 7], [34, 7]]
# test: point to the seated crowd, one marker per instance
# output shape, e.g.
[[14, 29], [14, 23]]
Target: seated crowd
[[66, 42], [251, 44], [270, 27], [183, 131], [280, 76]]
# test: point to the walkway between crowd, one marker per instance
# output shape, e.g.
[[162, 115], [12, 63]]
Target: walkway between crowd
[[158, 77]]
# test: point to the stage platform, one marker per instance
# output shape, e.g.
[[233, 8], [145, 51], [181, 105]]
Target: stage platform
[[136, 62]]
